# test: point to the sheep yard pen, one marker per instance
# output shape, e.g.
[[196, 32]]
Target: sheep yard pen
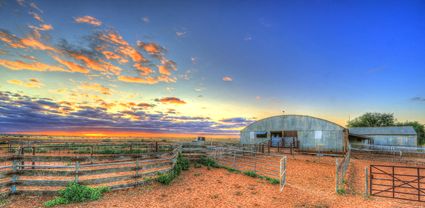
[[47, 168]]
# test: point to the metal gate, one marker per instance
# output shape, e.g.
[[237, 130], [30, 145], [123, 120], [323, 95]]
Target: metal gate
[[399, 182]]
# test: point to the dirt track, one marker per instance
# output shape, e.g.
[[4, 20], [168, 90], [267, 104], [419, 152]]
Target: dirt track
[[310, 184]]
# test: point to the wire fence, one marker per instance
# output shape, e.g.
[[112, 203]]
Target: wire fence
[[388, 149]]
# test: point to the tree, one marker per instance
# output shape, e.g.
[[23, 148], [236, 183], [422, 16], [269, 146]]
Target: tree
[[419, 128], [373, 120]]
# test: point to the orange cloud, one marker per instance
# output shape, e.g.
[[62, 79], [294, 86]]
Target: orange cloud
[[31, 83], [150, 48], [36, 16], [144, 71], [98, 65], [113, 56], [227, 79], [88, 20], [148, 80], [96, 87], [73, 67], [124, 47], [33, 66], [33, 43], [11, 40], [171, 100], [163, 70]]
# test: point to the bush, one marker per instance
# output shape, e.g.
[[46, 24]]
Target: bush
[[181, 164], [75, 192], [208, 162]]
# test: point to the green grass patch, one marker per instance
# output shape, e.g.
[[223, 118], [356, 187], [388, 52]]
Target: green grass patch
[[75, 192], [341, 191]]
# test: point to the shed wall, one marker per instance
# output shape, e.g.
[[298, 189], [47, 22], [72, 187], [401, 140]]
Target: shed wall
[[394, 140], [332, 135]]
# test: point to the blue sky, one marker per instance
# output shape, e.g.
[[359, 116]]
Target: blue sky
[[234, 59]]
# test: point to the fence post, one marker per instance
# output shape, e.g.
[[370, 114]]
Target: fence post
[[366, 179], [77, 169], [336, 176], [234, 159], [255, 162], [33, 154], [14, 176], [137, 167]]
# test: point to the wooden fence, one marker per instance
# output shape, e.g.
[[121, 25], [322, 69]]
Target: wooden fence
[[47, 169], [341, 169]]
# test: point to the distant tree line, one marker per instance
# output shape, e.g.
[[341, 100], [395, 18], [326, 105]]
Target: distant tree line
[[387, 119]]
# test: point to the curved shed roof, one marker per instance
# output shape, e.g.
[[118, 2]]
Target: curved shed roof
[[292, 122]]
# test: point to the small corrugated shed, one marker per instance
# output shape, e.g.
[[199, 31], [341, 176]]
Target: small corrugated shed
[[388, 130], [390, 135]]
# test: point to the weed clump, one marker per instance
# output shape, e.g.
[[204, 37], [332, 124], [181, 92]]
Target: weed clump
[[208, 162], [181, 164], [75, 192]]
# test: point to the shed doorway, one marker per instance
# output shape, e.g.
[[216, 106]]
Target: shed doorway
[[276, 138], [289, 138]]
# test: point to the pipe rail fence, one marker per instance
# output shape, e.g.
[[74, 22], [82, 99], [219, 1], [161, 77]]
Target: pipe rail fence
[[245, 160], [49, 168]]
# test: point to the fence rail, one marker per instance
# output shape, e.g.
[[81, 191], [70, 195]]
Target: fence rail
[[26, 170]]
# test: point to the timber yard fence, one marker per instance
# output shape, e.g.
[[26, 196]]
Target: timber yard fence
[[45, 169]]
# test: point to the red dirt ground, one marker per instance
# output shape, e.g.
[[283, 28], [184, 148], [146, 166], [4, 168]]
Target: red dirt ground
[[311, 183]]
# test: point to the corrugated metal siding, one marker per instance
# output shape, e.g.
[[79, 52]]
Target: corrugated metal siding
[[388, 130], [332, 137], [394, 140]]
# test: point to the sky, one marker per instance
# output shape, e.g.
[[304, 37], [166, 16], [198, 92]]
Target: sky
[[205, 67]]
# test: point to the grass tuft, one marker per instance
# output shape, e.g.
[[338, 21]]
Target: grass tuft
[[75, 192]]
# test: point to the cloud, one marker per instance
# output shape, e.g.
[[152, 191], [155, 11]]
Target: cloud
[[36, 16], [171, 100], [22, 113], [34, 6], [164, 70], [33, 66], [181, 34], [31, 83], [146, 19], [88, 20], [418, 99], [72, 67], [95, 87], [248, 38], [21, 2], [101, 53], [227, 79], [148, 80]]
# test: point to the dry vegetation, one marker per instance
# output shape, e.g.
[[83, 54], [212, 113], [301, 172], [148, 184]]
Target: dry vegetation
[[311, 183]]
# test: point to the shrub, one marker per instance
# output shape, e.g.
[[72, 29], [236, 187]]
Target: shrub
[[75, 192], [197, 165], [181, 164], [208, 162]]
